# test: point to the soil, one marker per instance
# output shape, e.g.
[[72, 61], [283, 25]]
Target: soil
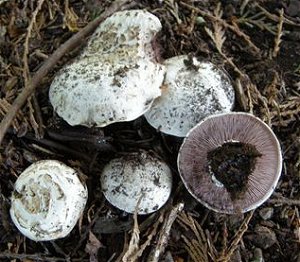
[[231, 164], [257, 42]]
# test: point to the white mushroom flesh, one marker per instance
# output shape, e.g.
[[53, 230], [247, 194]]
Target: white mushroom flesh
[[137, 177], [47, 201], [116, 78], [192, 90]]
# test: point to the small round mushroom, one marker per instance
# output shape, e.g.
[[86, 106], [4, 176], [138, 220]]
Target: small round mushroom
[[47, 201], [116, 78], [137, 176], [192, 90], [230, 162]]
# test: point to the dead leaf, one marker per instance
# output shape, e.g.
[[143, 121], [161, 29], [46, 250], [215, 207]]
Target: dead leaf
[[92, 247]]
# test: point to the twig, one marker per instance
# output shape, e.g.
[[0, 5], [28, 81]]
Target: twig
[[150, 235], [32, 119], [60, 147], [5, 107], [164, 234], [240, 94], [236, 239], [38, 116], [26, 72], [211, 250], [135, 237], [243, 6], [52, 61], [194, 239], [275, 18], [233, 28], [284, 201], [4, 206], [217, 35], [35, 257], [278, 35]]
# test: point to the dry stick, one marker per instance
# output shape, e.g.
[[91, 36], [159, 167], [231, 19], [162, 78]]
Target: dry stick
[[278, 35], [26, 72], [275, 18], [236, 239], [135, 236], [164, 234], [38, 116], [284, 201], [233, 28], [36, 257], [52, 61]]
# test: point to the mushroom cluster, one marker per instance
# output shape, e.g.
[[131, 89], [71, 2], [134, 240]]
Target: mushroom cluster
[[116, 78], [47, 201], [230, 162]]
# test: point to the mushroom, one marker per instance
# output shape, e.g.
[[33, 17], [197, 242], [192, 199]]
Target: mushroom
[[116, 78], [107, 90], [192, 90], [130, 29], [134, 177], [47, 200], [230, 162]]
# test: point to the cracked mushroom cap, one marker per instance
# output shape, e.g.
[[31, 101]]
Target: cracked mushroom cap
[[125, 29], [101, 91], [191, 91], [116, 78], [47, 201], [137, 176], [233, 130]]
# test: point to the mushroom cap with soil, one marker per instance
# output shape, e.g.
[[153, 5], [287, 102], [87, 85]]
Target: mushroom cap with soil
[[230, 162], [191, 91], [93, 91], [116, 78], [47, 201], [126, 29], [138, 176]]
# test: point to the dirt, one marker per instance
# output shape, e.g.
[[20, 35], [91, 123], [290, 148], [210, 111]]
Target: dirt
[[259, 47], [231, 164]]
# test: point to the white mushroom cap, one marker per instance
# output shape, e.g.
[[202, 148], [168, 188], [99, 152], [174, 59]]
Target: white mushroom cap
[[193, 90], [125, 29], [99, 92], [116, 78], [47, 201], [136, 176]]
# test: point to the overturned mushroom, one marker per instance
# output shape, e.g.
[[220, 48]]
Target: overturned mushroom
[[47, 201], [192, 91], [137, 176], [230, 162], [116, 78]]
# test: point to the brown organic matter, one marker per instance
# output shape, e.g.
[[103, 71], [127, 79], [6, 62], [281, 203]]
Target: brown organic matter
[[231, 164]]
